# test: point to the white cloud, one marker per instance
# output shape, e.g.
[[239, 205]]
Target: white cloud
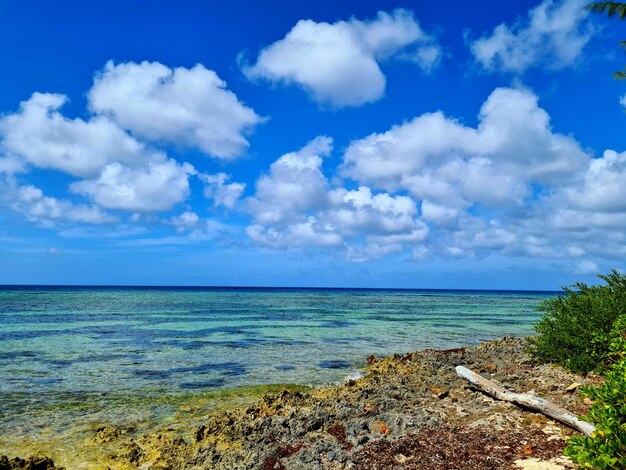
[[116, 171], [295, 206], [295, 184], [546, 227], [360, 211], [553, 35], [339, 63], [185, 221], [45, 210], [157, 187], [371, 251], [494, 237], [585, 267], [603, 185], [222, 193], [41, 136], [437, 188], [189, 107], [623, 100], [305, 234], [567, 218], [12, 165], [452, 166], [510, 185], [440, 214]]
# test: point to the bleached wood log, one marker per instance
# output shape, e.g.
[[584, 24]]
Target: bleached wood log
[[529, 401]]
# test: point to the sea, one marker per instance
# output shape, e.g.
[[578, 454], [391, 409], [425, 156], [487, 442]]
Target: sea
[[74, 359]]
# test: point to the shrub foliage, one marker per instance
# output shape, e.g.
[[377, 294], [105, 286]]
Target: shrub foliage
[[585, 329], [577, 327], [606, 449]]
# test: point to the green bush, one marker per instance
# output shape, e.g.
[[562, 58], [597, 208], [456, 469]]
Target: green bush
[[606, 449], [617, 345], [576, 328]]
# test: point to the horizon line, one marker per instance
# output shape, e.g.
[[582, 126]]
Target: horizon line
[[159, 286]]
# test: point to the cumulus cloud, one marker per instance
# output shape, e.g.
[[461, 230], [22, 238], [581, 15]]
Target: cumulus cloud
[[339, 63], [189, 107], [294, 185], [441, 214], [223, 193], [46, 211], [115, 170], [308, 233], [157, 187], [603, 185], [296, 206], [433, 187], [574, 218], [510, 185], [39, 135], [361, 211], [450, 166], [112, 157], [553, 35]]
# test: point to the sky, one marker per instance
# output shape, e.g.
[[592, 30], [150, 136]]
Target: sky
[[407, 144]]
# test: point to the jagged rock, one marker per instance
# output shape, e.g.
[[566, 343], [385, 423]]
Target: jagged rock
[[32, 463]]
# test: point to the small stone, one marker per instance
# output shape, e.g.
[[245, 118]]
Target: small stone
[[381, 428], [573, 387], [439, 392], [400, 458]]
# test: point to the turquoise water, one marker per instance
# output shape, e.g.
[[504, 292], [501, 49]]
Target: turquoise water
[[92, 353]]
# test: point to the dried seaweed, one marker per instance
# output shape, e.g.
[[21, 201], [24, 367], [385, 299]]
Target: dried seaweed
[[454, 447]]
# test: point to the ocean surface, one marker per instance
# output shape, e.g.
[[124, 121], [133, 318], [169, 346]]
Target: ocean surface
[[75, 358]]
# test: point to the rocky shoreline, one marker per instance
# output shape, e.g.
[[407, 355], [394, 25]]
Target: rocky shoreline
[[410, 411]]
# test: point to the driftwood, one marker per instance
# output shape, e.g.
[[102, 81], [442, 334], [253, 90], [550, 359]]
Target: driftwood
[[526, 400]]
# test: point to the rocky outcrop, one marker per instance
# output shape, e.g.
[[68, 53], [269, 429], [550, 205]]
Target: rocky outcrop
[[409, 411]]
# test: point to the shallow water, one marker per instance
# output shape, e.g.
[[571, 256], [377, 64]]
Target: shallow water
[[72, 359]]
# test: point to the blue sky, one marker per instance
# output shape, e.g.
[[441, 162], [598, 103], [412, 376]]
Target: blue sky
[[360, 144]]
